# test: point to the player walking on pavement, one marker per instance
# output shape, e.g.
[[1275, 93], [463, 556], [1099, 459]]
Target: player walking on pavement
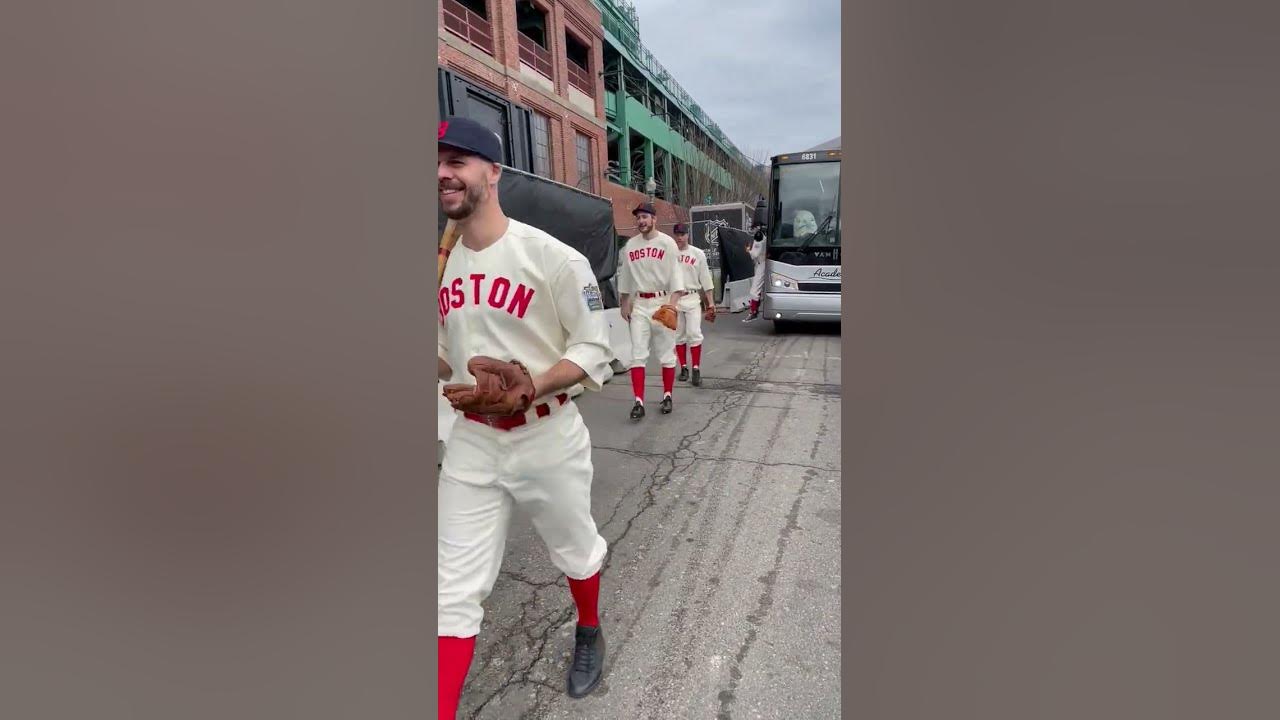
[[695, 305], [757, 253], [648, 280], [521, 317]]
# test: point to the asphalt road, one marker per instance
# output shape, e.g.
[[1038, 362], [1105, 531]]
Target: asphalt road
[[721, 595]]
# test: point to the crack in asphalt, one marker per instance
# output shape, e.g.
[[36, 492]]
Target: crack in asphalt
[[733, 381], [657, 479], [651, 481], [764, 603], [521, 675], [694, 595], [698, 457], [539, 631], [691, 593], [532, 583]]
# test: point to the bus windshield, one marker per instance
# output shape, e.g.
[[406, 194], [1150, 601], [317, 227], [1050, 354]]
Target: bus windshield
[[805, 197]]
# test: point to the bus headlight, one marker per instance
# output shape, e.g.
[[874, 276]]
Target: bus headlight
[[782, 282]]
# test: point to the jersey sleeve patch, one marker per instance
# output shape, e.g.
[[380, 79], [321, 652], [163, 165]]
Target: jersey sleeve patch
[[591, 294]]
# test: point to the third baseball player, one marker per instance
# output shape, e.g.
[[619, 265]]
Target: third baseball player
[[695, 305]]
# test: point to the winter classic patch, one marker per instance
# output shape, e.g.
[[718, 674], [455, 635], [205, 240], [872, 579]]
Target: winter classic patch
[[591, 294]]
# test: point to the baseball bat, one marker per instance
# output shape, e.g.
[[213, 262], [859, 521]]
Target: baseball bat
[[447, 241]]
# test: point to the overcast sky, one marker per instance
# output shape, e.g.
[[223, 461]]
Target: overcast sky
[[766, 71]]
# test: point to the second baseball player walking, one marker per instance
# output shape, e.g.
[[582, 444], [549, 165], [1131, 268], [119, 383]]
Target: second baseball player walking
[[696, 304], [648, 278]]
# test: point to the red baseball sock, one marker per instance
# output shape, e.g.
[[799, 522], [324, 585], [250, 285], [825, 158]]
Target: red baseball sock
[[454, 661], [586, 594], [755, 306], [680, 355], [697, 355], [668, 379], [637, 382]]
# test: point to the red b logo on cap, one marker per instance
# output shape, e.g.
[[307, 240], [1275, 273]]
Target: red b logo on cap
[[443, 127]]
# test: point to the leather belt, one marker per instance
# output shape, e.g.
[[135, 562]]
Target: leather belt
[[650, 295], [510, 422]]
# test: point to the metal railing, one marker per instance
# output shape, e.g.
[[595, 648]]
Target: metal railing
[[580, 78], [534, 55], [461, 21], [630, 40]]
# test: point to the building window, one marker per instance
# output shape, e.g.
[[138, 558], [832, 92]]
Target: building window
[[541, 145], [535, 46], [578, 54], [585, 180], [469, 20]]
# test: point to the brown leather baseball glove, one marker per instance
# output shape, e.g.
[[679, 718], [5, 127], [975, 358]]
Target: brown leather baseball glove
[[666, 316], [502, 388], [709, 314]]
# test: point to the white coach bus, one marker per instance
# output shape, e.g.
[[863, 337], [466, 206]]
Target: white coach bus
[[802, 226]]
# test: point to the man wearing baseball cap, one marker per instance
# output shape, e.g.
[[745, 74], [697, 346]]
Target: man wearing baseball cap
[[695, 306], [648, 279], [515, 298], [468, 138]]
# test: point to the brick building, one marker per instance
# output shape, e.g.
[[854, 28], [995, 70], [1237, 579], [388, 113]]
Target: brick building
[[531, 68], [532, 71]]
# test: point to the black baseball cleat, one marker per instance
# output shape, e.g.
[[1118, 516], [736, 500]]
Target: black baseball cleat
[[588, 662], [697, 377], [637, 412], [666, 405], [684, 374], [751, 317]]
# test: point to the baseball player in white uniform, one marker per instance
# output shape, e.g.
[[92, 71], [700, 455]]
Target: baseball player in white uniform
[[522, 327], [696, 304], [757, 252], [648, 278]]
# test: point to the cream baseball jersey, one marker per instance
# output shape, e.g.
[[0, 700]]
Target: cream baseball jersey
[[649, 265], [527, 297], [695, 274]]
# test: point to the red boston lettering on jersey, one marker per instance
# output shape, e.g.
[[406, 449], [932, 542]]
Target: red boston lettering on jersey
[[651, 253], [501, 293], [456, 289], [520, 300], [498, 292], [688, 260]]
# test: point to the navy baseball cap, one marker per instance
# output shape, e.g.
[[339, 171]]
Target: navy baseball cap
[[681, 229], [470, 136], [645, 208]]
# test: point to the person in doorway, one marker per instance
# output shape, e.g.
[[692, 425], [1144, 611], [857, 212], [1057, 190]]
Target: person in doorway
[[757, 252]]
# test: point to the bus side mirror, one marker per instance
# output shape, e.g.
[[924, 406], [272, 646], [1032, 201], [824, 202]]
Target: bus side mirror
[[759, 217]]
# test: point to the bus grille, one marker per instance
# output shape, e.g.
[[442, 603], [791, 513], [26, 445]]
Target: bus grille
[[819, 287]]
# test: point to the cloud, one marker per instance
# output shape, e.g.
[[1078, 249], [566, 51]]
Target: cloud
[[766, 71]]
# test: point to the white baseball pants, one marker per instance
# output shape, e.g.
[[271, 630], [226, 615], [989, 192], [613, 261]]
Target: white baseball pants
[[757, 282], [647, 335], [689, 329], [544, 467]]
